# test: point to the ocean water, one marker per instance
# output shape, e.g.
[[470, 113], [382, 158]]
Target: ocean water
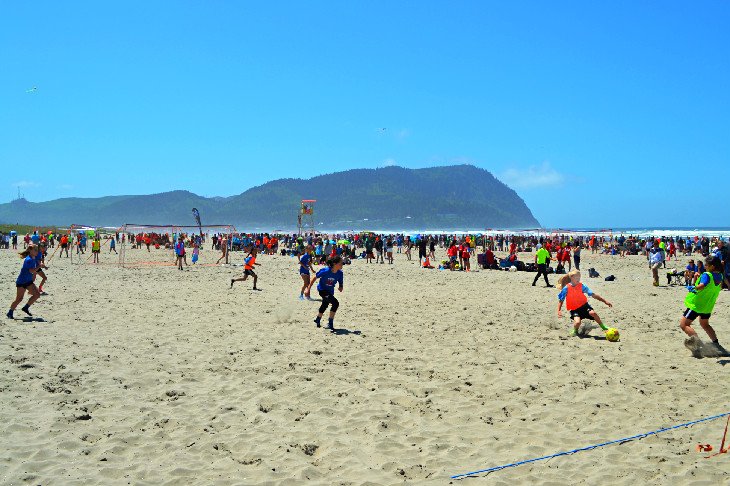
[[723, 232]]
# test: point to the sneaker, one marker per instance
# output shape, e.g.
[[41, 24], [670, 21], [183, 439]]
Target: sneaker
[[318, 323], [330, 328], [573, 333], [10, 314], [26, 309]]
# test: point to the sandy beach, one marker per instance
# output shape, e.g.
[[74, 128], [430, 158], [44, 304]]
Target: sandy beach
[[154, 376]]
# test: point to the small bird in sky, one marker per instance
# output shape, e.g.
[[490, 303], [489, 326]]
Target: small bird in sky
[[31, 90]]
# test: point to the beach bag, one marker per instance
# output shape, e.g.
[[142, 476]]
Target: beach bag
[[610, 278], [592, 273]]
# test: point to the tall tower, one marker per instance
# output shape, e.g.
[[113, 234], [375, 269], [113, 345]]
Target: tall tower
[[306, 217]]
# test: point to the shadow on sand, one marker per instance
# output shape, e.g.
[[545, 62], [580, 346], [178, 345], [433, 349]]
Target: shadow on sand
[[341, 331]]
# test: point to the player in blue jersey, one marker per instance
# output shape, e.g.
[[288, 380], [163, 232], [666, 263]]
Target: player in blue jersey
[[328, 277]]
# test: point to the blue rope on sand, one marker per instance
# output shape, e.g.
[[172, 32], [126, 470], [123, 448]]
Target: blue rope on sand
[[566, 453]]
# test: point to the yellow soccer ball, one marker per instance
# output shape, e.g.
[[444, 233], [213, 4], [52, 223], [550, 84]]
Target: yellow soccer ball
[[612, 334]]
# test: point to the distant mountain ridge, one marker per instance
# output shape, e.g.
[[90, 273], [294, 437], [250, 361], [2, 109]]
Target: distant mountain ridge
[[452, 197]]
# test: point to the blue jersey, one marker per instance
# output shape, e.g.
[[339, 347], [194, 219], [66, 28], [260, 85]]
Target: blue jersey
[[39, 259], [705, 278], [304, 263], [328, 279], [26, 277]]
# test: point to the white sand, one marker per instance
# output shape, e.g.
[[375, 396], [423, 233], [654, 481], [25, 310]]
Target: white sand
[[183, 381]]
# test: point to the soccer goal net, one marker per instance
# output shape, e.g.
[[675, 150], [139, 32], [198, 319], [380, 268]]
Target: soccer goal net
[[78, 243], [154, 245]]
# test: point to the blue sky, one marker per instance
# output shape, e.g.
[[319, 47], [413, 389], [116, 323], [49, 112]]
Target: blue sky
[[597, 113]]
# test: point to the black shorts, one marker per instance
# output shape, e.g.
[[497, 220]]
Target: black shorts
[[692, 315], [249, 272], [23, 286], [582, 312], [421, 254], [64, 245]]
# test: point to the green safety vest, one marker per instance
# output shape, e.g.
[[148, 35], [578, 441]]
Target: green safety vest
[[703, 301]]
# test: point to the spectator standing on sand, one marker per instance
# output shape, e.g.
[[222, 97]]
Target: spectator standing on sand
[[542, 259], [655, 261], [722, 252]]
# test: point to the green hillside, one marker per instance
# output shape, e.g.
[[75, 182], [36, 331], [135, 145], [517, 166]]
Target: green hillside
[[454, 197]]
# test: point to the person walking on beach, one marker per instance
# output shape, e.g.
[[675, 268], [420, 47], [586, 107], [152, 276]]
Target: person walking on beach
[[196, 250], [328, 277], [305, 265], [700, 302], [96, 248], [379, 250], [224, 250], [575, 295], [179, 252], [24, 282], [64, 246], [542, 259], [249, 265], [369, 250], [112, 245], [421, 249]]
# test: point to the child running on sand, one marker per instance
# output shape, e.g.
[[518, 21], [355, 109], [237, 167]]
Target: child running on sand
[[575, 295], [249, 263], [700, 302], [328, 277], [305, 265], [24, 282]]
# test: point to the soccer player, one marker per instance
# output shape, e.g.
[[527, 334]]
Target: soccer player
[[24, 282], [575, 295], [249, 264], [328, 277]]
